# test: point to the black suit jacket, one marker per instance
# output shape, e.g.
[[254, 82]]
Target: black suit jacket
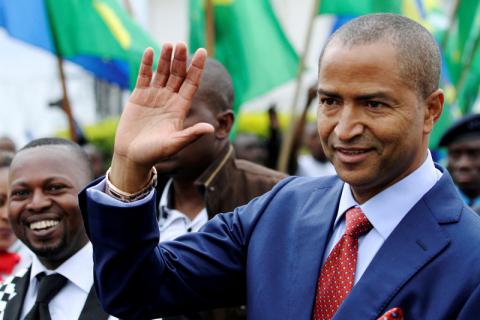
[[14, 289]]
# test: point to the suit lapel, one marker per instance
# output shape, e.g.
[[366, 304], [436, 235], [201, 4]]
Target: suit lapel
[[314, 228], [14, 306], [92, 308], [416, 241]]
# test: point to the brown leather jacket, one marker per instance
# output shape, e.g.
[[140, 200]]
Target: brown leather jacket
[[226, 184]]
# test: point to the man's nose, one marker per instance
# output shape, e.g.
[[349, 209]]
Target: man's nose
[[349, 123], [39, 201], [3, 212], [464, 161]]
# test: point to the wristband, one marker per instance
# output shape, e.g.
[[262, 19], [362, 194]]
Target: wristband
[[123, 196]]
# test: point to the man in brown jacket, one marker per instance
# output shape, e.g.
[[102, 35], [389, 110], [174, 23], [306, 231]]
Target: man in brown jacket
[[204, 178]]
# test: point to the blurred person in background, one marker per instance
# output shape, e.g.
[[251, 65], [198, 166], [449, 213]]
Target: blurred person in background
[[274, 139], [45, 177], [205, 178], [95, 155], [97, 159], [14, 255], [7, 144], [462, 141], [249, 146], [315, 162]]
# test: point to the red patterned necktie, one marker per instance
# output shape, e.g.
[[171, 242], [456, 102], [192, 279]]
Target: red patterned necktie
[[338, 273]]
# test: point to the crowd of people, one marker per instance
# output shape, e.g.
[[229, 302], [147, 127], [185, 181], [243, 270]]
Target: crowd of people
[[187, 225]]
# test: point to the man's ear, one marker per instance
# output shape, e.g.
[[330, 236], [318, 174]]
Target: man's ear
[[433, 110], [225, 123]]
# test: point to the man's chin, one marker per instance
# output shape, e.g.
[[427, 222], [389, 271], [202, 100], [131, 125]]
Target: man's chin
[[48, 252]]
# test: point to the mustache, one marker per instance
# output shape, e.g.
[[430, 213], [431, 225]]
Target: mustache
[[361, 142]]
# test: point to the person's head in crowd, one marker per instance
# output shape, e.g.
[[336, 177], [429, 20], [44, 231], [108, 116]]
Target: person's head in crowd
[[212, 103], [249, 146], [312, 142], [462, 141], [7, 237], [45, 177], [378, 100], [97, 159], [7, 144]]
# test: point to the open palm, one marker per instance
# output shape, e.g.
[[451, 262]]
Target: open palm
[[151, 125]]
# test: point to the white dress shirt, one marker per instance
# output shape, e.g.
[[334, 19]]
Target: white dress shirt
[[69, 301], [384, 211], [174, 223]]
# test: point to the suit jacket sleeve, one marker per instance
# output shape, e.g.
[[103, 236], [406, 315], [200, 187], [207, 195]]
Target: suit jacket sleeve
[[471, 309], [136, 277]]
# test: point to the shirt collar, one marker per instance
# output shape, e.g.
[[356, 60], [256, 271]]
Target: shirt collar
[[169, 215], [164, 202], [411, 188], [78, 269]]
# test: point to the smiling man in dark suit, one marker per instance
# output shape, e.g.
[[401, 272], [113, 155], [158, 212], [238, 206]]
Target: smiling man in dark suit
[[45, 177], [389, 235]]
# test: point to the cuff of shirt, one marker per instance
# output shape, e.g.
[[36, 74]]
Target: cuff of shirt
[[97, 194]]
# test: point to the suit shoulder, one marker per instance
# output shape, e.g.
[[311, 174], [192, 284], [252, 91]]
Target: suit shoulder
[[295, 188], [313, 183], [469, 224]]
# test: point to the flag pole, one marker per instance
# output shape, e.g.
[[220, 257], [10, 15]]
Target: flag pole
[[66, 107], [210, 28], [287, 141], [467, 65], [451, 21], [65, 101]]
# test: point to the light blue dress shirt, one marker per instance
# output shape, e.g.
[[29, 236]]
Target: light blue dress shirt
[[384, 211]]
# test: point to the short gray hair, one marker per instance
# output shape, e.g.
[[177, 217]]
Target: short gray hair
[[417, 50]]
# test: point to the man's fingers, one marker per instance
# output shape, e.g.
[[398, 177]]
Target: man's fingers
[[190, 134], [163, 68], [192, 79], [145, 71], [198, 129], [179, 67]]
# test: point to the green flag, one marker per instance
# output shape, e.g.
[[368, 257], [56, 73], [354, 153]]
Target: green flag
[[461, 37], [93, 32], [359, 7], [249, 41]]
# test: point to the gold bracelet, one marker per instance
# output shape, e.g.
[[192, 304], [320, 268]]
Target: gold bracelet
[[124, 196]]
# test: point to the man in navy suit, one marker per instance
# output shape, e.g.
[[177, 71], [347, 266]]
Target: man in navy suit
[[388, 236]]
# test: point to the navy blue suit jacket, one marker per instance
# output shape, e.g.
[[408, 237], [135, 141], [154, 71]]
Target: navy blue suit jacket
[[268, 254]]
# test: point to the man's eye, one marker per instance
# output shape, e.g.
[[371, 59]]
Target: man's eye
[[454, 154], [55, 187], [474, 153], [18, 193], [328, 101], [374, 104]]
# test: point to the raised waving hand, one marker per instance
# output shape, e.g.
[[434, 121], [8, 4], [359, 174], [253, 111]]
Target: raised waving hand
[[151, 125]]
